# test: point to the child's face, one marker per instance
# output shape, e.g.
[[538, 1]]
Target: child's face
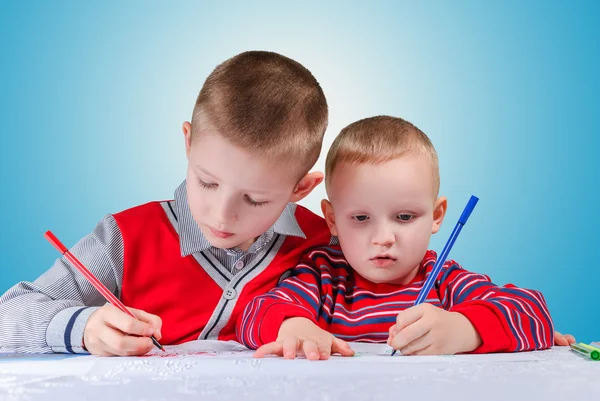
[[234, 195], [384, 216]]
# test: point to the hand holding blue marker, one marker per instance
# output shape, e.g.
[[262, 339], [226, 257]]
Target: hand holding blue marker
[[444, 255]]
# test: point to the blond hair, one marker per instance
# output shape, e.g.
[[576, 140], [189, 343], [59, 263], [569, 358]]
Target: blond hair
[[378, 140], [266, 103]]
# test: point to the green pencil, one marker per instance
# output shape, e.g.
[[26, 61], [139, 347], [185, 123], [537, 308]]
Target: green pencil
[[587, 350]]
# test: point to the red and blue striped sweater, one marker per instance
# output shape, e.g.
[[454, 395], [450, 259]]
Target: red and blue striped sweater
[[324, 288]]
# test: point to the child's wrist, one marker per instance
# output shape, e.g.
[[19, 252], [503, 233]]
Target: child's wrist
[[471, 339], [292, 320]]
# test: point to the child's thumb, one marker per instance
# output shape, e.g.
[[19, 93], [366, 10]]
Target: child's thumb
[[341, 347]]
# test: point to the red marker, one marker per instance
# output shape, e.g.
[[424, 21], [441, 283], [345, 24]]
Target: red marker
[[92, 279]]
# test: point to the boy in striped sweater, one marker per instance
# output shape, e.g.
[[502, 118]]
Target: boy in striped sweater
[[382, 179]]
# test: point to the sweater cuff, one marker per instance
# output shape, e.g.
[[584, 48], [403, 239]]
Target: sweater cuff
[[65, 331], [274, 317], [489, 325]]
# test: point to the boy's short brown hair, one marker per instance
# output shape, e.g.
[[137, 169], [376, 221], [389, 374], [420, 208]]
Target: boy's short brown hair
[[267, 103], [378, 140]]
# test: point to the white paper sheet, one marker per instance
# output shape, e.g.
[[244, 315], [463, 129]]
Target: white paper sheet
[[227, 371], [364, 352], [382, 353], [186, 357]]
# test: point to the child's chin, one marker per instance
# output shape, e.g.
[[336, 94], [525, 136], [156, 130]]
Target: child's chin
[[386, 279], [229, 242], [379, 278]]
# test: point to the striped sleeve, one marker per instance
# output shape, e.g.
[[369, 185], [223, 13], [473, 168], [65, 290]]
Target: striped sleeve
[[508, 318], [50, 314], [299, 295]]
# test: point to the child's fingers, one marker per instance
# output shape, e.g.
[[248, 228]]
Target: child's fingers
[[94, 345], [153, 320], [428, 350], [391, 333], [407, 317], [291, 345], [118, 343], [274, 348], [104, 352], [409, 334], [324, 348], [311, 350], [129, 325], [563, 339], [341, 347], [417, 345], [570, 339], [560, 340], [391, 330]]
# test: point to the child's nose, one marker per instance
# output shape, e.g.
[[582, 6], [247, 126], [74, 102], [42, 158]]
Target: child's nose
[[224, 213], [384, 236]]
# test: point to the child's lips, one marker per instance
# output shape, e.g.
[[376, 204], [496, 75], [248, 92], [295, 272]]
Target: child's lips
[[220, 234], [383, 261]]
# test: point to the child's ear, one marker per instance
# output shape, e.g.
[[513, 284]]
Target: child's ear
[[439, 211], [187, 133], [306, 185], [327, 210]]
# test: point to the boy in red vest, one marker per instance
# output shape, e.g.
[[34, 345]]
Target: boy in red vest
[[382, 180], [230, 233]]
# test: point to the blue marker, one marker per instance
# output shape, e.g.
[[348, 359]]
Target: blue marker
[[444, 255]]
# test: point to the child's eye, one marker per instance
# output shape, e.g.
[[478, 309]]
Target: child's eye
[[206, 185], [405, 217], [255, 203], [360, 217]]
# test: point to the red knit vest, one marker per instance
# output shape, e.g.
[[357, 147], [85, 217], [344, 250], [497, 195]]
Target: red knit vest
[[158, 280]]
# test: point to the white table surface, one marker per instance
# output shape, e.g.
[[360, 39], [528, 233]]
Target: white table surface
[[226, 371]]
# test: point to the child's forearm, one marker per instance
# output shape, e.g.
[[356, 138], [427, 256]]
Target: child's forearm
[[297, 296], [507, 318], [504, 328], [49, 315], [263, 318]]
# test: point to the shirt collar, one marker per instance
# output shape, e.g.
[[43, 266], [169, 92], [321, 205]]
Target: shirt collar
[[191, 239]]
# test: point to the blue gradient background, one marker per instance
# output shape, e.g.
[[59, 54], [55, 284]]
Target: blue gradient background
[[93, 97]]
